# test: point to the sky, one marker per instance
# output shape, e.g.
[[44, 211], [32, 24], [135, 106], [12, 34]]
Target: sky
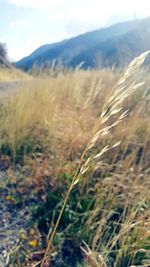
[[27, 24]]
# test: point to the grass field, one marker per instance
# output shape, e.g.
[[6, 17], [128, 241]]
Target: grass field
[[45, 129], [8, 75]]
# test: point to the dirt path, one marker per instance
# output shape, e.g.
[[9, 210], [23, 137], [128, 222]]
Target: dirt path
[[13, 85], [8, 85]]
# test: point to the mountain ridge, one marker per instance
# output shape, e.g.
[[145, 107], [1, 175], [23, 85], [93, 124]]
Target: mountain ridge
[[115, 45]]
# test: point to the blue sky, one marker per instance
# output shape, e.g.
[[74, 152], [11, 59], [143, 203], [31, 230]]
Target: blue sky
[[27, 24]]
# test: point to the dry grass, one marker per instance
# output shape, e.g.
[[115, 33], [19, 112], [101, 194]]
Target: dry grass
[[52, 120], [124, 88], [8, 75]]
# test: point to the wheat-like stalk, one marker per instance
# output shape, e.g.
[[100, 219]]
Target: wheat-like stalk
[[120, 92]]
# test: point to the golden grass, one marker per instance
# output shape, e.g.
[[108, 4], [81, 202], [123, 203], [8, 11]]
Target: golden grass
[[113, 106], [8, 75], [55, 115]]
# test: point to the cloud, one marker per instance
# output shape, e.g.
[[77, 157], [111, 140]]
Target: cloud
[[81, 15], [97, 6], [92, 14], [19, 24], [17, 50], [87, 9], [41, 4], [2, 39], [75, 27]]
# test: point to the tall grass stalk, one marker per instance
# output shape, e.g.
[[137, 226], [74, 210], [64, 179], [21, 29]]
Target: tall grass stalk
[[113, 107]]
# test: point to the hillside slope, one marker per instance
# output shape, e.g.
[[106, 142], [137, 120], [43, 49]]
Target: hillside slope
[[106, 47]]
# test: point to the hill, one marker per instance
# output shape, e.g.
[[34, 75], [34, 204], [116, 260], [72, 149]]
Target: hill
[[112, 46], [10, 73]]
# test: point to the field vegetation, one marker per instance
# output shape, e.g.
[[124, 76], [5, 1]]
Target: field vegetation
[[9, 75], [45, 127]]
